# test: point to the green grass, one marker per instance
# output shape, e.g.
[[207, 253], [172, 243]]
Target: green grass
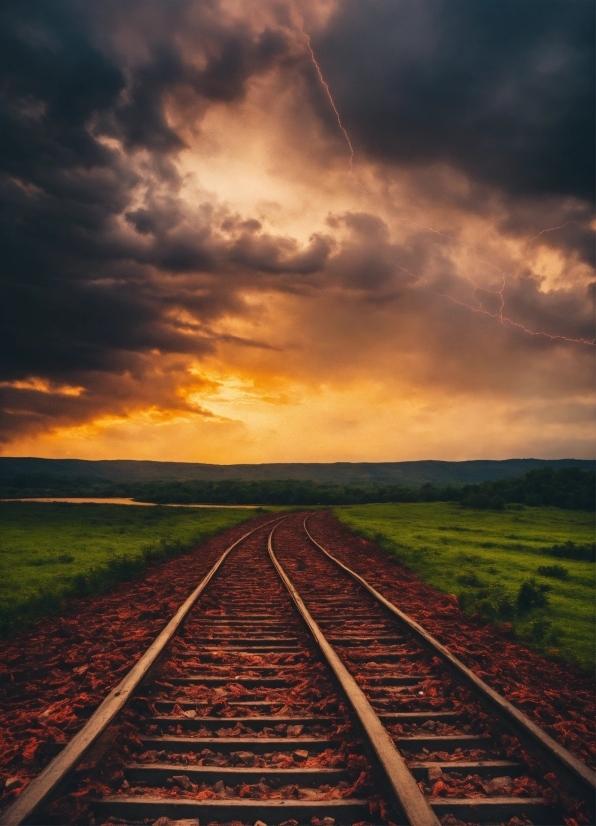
[[49, 552], [485, 558]]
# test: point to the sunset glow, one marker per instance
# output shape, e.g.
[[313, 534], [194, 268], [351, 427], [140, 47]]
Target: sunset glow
[[269, 243]]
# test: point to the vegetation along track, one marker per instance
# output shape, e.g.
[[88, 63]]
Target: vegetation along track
[[285, 690]]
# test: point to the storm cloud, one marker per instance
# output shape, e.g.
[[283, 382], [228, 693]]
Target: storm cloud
[[503, 91], [458, 248]]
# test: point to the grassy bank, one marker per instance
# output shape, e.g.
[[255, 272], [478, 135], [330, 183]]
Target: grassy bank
[[49, 552], [514, 565]]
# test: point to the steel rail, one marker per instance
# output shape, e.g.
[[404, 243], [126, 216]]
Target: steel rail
[[55, 773], [401, 782], [580, 776]]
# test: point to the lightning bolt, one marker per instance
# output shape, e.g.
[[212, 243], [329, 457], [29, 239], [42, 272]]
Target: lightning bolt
[[552, 229], [498, 316], [325, 86]]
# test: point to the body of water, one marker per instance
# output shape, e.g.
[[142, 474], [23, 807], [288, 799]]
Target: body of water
[[96, 500]]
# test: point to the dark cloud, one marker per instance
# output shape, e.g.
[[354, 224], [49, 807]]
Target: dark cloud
[[234, 57], [268, 254], [112, 282], [501, 90], [82, 298], [102, 393], [53, 80], [567, 224]]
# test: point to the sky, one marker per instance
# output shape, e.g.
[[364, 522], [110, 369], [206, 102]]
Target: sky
[[304, 230]]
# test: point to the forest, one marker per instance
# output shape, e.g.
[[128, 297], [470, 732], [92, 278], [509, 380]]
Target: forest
[[568, 487]]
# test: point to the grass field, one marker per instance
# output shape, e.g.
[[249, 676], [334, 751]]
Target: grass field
[[485, 557], [49, 551]]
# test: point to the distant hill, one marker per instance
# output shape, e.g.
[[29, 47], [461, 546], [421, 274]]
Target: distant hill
[[20, 470]]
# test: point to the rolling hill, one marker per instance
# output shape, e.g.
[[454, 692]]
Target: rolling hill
[[22, 470]]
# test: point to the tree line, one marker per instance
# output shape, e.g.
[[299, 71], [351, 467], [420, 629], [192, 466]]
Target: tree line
[[569, 487]]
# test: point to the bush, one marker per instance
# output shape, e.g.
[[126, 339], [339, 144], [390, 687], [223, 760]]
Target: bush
[[542, 630], [553, 571], [493, 602], [583, 553], [531, 595]]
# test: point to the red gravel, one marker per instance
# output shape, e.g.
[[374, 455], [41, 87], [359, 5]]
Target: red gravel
[[556, 696], [311, 692], [54, 676]]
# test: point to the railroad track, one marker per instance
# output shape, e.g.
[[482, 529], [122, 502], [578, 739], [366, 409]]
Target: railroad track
[[287, 690]]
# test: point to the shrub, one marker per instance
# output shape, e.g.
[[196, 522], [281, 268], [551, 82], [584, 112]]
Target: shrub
[[569, 550], [531, 595], [553, 571], [493, 602], [542, 631]]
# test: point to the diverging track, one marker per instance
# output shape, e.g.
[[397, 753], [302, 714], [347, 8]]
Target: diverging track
[[284, 691]]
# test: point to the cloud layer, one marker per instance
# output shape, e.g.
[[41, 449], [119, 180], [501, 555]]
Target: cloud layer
[[501, 91], [195, 265]]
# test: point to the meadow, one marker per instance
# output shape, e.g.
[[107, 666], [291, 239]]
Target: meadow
[[49, 552], [511, 566]]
